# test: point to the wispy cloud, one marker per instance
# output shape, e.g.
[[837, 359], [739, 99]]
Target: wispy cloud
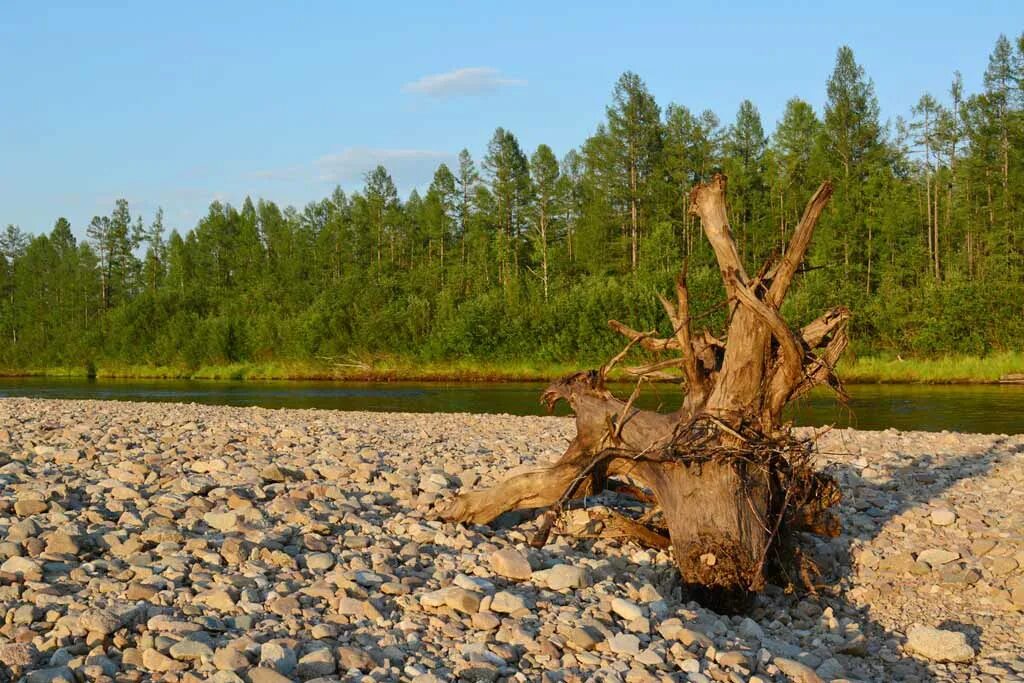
[[468, 81], [408, 167], [351, 164]]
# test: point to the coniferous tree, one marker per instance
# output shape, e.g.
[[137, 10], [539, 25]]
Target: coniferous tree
[[571, 177], [466, 181], [548, 199], [854, 148], [796, 156], [925, 226], [508, 175], [442, 206], [634, 147], [746, 145], [382, 205]]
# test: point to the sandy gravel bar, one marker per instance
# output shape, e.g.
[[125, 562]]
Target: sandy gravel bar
[[146, 541]]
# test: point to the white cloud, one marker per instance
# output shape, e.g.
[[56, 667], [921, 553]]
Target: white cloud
[[408, 167], [474, 80], [350, 165]]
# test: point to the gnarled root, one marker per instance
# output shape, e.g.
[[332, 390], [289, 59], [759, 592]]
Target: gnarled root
[[730, 483]]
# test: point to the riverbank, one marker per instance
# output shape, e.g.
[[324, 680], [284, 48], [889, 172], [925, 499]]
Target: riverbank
[[863, 370], [151, 540], [382, 370]]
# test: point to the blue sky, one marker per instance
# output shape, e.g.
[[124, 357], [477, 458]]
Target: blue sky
[[178, 104]]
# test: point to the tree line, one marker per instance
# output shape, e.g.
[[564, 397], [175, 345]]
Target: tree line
[[523, 255]]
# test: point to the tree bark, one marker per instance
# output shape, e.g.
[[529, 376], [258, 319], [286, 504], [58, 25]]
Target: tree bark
[[726, 480]]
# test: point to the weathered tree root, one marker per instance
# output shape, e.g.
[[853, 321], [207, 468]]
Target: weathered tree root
[[730, 483]]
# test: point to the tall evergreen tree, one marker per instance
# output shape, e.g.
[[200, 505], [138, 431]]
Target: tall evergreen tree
[[746, 145], [795, 153], [382, 203], [508, 174], [571, 178], [547, 204], [13, 242], [443, 209], [855, 148], [466, 181], [634, 134]]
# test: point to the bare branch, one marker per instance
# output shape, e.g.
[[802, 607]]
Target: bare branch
[[654, 370], [821, 369], [679, 315], [617, 525], [708, 201], [620, 421], [798, 244], [792, 357], [607, 367], [650, 343], [819, 329]]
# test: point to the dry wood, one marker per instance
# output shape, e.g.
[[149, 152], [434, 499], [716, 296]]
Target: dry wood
[[725, 481]]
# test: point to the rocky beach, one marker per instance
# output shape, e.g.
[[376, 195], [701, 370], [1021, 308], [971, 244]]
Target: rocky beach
[[147, 541]]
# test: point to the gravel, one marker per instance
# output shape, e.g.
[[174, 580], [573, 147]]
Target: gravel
[[144, 541]]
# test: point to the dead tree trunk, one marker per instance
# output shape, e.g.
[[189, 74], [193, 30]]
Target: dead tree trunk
[[726, 481]]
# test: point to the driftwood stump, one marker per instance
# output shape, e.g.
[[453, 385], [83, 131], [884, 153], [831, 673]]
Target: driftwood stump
[[725, 482]]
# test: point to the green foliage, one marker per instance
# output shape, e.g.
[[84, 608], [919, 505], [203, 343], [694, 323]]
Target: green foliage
[[524, 261]]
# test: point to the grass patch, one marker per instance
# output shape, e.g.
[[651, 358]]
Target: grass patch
[[864, 370], [377, 370], [944, 370]]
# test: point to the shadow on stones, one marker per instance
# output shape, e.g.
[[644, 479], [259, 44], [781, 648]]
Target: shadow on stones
[[868, 505]]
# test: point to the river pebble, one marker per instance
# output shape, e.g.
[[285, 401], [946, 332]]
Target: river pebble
[[145, 541]]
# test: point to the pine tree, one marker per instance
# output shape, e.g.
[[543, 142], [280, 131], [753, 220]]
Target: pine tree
[[634, 134], [929, 115], [153, 237], [466, 181], [443, 209], [571, 178], [548, 200], [13, 242], [382, 200], [854, 146], [795, 152], [1003, 82], [508, 175], [745, 149]]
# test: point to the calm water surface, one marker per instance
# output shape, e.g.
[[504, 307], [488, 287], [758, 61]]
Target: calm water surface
[[977, 408]]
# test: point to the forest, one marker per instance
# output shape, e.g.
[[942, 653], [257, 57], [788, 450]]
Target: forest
[[523, 254]]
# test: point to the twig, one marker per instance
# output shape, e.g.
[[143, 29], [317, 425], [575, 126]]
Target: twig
[[725, 428], [607, 367], [621, 421]]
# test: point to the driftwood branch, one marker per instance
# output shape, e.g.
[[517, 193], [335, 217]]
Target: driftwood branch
[[723, 481], [649, 343], [798, 244]]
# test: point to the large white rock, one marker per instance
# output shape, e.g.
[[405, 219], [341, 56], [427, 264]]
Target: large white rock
[[935, 557], [939, 645], [943, 517], [507, 603], [627, 609], [511, 564], [24, 567], [797, 672], [562, 577]]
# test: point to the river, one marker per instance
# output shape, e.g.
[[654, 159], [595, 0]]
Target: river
[[966, 408]]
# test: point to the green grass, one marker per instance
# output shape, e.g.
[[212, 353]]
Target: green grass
[[864, 370], [944, 370], [50, 371], [381, 369]]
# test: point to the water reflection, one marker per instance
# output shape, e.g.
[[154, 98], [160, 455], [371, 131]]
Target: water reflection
[[975, 408]]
